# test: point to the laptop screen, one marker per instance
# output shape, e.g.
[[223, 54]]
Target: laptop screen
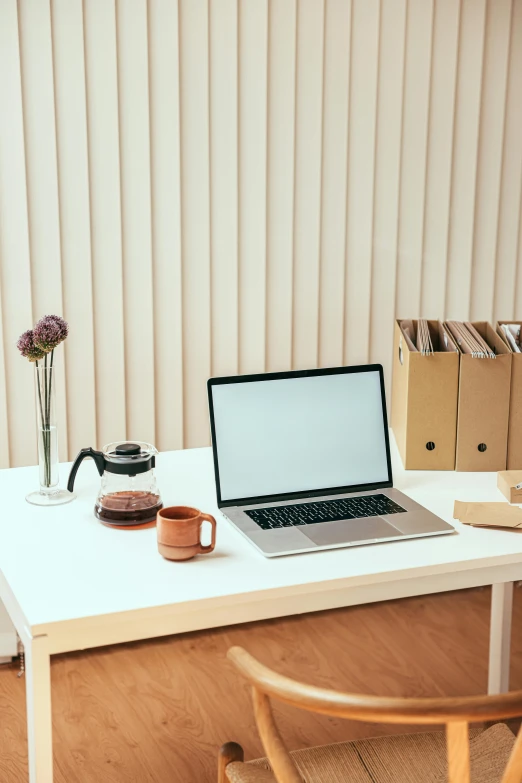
[[290, 433]]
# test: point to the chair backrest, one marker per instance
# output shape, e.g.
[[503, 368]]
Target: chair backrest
[[454, 713]]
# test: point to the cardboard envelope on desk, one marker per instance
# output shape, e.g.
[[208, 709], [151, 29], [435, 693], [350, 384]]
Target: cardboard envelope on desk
[[424, 398], [483, 412], [488, 514], [514, 446]]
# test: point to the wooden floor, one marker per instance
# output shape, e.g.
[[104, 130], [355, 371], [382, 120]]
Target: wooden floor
[[158, 711]]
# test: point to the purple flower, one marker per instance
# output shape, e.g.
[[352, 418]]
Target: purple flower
[[27, 347], [49, 332]]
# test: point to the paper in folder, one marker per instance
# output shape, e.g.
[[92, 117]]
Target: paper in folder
[[512, 334], [418, 337], [469, 340]]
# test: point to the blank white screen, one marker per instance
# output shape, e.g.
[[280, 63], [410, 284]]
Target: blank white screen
[[299, 434]]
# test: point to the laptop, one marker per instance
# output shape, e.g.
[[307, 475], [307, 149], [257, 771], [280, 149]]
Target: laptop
[[302, 461]]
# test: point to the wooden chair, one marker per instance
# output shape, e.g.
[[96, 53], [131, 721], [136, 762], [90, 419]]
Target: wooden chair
[[494, 755]]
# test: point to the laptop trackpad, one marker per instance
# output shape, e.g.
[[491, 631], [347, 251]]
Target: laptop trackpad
[[348, 530]]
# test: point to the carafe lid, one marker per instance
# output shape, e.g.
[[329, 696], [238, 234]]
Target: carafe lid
[[129, 457]]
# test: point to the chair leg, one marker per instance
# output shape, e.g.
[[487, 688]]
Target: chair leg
[[227, 754]]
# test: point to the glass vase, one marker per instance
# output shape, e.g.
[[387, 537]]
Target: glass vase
[[49, 493]]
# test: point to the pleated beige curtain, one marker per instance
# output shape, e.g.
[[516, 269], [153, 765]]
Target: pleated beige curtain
[[207, 187]]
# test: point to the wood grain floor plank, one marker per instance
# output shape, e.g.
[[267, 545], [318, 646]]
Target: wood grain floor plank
[[156, 712]]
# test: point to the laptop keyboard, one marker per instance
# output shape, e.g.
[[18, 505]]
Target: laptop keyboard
[[324, 511]]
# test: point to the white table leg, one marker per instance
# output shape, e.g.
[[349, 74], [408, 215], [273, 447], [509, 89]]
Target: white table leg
[[39, 720], [500, 637]]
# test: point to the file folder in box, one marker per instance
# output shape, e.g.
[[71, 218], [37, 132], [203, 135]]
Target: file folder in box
[[484, 390], [424, 397], [514, 444]]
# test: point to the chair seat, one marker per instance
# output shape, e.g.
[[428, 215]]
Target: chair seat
[[409, 758]]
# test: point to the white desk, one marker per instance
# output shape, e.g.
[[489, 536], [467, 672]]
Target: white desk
[[69, 583]]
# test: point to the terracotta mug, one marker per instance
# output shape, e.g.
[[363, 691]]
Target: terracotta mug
[[179, 532]]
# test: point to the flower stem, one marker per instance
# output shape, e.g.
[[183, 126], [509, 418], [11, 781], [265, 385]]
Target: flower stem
[[42, 419], [46, 435], [49, 402], [50, 389], [39, 391], [45, 425]]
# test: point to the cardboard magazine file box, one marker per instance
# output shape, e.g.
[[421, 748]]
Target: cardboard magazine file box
[[484, 389], [514, 444], [424, 398]]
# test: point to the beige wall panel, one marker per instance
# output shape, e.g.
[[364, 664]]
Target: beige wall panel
[[465, 157], [364, 68], [195, 212], [415, 123], [253, 100], [75, 222], [489, 165], [387, 181], [336, 83], [166, 220], [101, 68], [308, 170], [224, 184], [280, 186], [511, 179], [19, 439], [36, 56], [138, 305], [444, 60]]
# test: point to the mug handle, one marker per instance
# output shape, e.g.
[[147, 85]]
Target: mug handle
[[206, 549]]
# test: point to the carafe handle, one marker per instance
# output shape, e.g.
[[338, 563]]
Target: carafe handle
[[98, 458]]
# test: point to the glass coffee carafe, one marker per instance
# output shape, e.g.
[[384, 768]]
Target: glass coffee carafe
[[128, 494]]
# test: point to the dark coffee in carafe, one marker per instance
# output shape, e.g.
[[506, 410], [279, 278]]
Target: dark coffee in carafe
[[125, 507]]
